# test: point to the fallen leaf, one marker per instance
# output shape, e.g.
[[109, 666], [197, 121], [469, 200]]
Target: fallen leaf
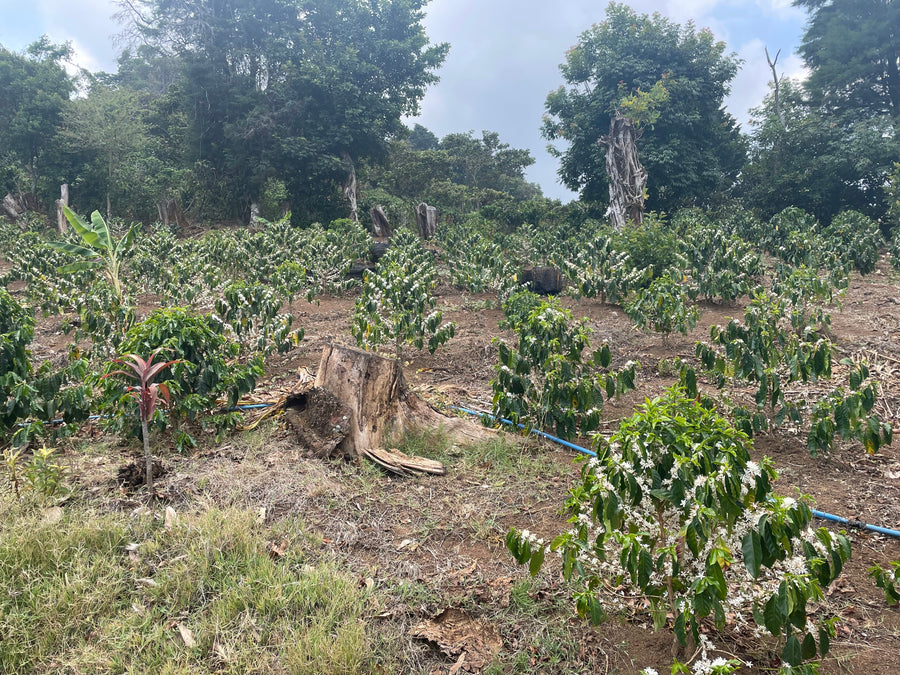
[[170, 519], [187, 636], [53, 515]]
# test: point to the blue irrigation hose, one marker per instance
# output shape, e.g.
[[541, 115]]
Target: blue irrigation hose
[[538, 432], [856, 523], [818, 514]]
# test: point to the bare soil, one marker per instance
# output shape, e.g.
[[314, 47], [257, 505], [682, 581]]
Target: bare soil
[[432, 543]]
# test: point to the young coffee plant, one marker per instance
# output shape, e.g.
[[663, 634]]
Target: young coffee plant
[[858, 237], [762, 350], [673, 509], [722, 267], [888, 580], [849, 415], [663, 306], [251, 315], [596, 269], [805, 294], [209, 373], [475, 263], [31, 399], [545, 381], [396, 305]]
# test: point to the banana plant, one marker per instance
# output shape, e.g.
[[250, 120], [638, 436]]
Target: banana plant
[[101, 250], [148, 394]]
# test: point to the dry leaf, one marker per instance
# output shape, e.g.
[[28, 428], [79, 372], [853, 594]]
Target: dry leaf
[[170, 519], [410, 544], [53, 515], [187, 636]]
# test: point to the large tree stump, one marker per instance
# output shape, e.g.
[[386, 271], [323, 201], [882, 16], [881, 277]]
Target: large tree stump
[[426, 220], [381, 405], [380, 225]]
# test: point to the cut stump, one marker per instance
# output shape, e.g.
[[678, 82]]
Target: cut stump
[[382, 408]]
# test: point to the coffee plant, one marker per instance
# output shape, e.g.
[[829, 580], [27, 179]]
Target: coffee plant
[[663, 307], [722, 267], [32, 399], [805, 293], [209, 373], [544, 381], [760, 349], [859, 237], [888, 580], [396, 306], [849, 415], [673, 509], [596, 269], [251, 315], [476, 263]]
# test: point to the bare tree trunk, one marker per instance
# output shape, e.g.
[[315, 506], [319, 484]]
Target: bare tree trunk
[[426, 220], [380, 225], [777, 82], [170, 212], [350, 186], [627, 178], [61, 223]]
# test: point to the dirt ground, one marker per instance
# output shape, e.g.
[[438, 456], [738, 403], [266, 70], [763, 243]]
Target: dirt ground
[[428, 544]]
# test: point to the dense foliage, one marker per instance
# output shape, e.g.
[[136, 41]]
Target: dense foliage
[[694, 149]]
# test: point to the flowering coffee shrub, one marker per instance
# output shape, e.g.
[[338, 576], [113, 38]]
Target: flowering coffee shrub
[[396, 305], [672, 508], [551, 378], [663, 307]]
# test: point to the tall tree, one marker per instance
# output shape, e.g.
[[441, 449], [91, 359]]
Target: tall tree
[[820, 160], [291, 88], [693, 150], [852, 48], [35, 92]]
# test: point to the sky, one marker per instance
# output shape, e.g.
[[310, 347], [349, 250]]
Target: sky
[[504, 55]]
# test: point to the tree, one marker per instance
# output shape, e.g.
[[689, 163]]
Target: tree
[[820, 161], [693, 150], [36, 91], [109, 125], [290, 88], [852, 48]]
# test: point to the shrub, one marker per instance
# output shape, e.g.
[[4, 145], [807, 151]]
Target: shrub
[[673, 509], [208, 369], [543, 381], [395, 298], [663, 307], [29, 398]]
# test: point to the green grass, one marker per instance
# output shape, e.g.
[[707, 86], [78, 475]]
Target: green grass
[[72, 598]]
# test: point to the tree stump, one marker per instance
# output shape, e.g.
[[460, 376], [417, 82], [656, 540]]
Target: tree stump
[[380, 225], [426, 220], [382, 407], [542, 280]]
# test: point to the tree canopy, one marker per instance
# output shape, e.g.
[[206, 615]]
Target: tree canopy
[[287, 88], [36, 90], [852, 48], [692, 151]]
